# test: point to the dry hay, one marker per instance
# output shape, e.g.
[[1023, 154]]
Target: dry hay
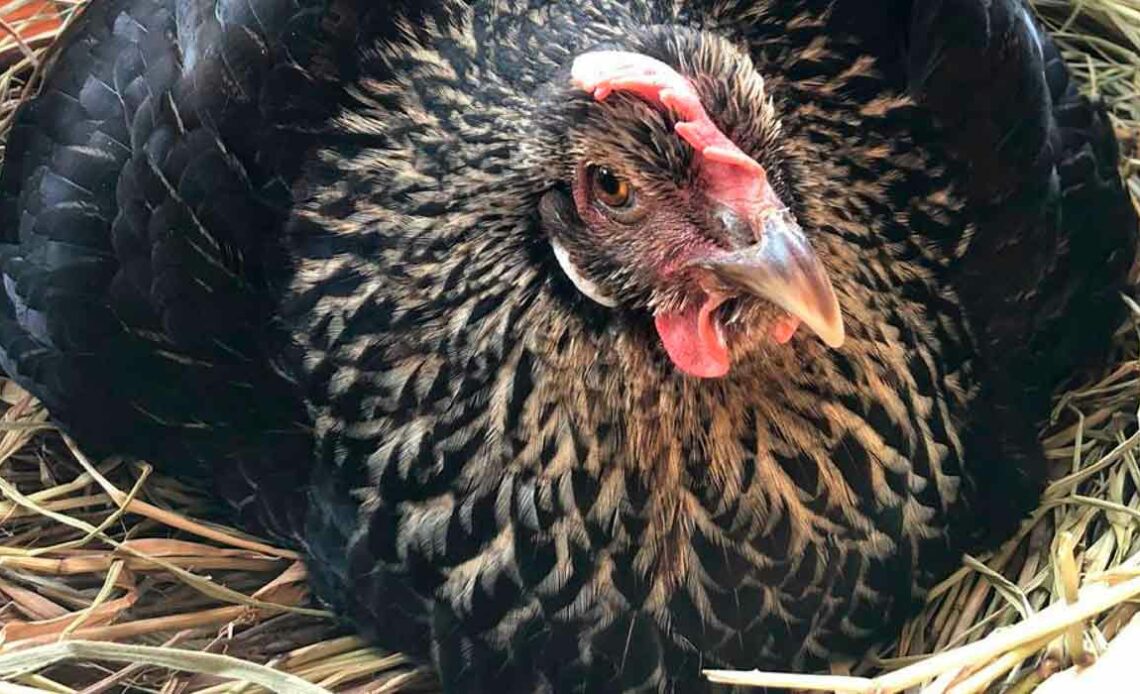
[[107, 583]]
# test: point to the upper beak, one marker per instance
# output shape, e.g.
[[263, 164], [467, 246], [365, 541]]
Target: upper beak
[[784, 269]]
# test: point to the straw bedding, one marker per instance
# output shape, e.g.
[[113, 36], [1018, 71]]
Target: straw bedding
[[110, 583]]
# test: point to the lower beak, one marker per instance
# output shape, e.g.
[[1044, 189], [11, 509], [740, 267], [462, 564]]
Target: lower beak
[[784, 270]]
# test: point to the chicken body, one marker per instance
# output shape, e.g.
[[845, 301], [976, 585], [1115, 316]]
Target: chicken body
[[300, 249]]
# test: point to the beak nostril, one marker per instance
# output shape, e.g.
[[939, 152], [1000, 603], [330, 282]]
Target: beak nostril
[[735, 232]]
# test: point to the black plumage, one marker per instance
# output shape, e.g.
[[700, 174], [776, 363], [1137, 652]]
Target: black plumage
[[411, 297]]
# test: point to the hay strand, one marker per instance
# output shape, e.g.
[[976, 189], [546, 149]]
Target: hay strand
[[13, 664]]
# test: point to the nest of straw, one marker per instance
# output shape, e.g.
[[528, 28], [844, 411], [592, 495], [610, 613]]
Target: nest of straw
[[109, 583]]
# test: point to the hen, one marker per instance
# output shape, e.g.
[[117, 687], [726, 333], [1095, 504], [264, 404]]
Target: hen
[[581, 344]]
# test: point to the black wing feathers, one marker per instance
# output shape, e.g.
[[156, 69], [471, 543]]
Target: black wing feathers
[[1053, 221], [1041, 275], [145, 204]]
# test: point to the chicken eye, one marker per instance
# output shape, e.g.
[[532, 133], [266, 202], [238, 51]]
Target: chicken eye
[[610, 189]]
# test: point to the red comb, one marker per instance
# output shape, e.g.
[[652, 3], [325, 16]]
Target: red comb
[[738, 177]]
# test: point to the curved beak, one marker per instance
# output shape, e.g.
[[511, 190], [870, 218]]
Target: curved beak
[[783, 269]]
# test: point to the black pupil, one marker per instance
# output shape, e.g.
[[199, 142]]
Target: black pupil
[[610, 184]]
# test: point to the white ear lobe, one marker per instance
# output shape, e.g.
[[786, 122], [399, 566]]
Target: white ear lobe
[[584, 285]]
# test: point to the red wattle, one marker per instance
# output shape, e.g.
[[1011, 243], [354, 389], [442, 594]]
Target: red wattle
[[784, 329], [692, 340]]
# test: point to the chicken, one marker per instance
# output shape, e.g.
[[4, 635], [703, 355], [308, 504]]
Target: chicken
[[580, 344]]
